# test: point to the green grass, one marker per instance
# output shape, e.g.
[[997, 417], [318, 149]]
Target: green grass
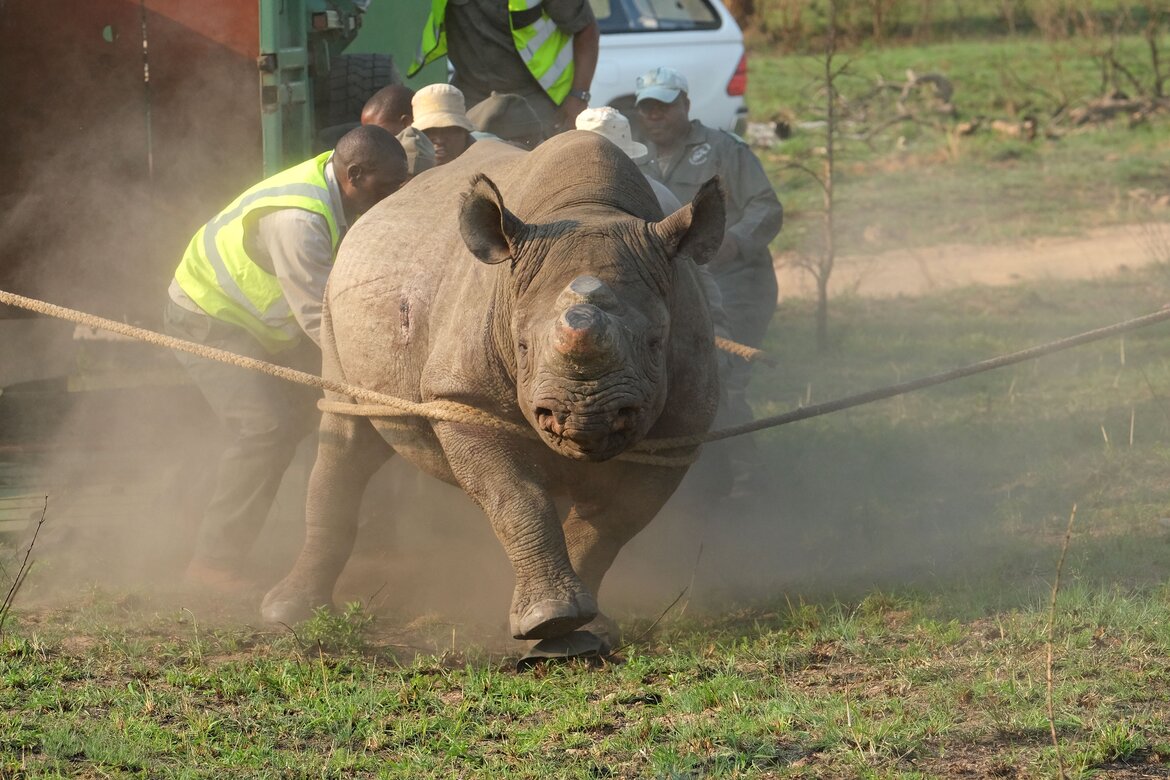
[[917, 185], [837, 691], [911, 544]]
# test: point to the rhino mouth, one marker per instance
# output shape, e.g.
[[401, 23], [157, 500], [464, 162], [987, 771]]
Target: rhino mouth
[[593, 436]]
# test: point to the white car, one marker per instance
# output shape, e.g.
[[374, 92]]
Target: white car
[[698, 38]]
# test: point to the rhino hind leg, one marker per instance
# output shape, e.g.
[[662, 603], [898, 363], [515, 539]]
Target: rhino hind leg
[[349, 453]]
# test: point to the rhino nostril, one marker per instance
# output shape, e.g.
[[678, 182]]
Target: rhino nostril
[[548, 421], [626, 417]]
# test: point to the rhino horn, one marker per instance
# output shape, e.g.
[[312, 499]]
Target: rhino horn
[[583, 332], [489, 230], [696, 230], [587, 289]]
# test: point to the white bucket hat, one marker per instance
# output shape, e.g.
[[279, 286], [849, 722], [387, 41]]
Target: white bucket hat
[[612, 124], [440, 105]]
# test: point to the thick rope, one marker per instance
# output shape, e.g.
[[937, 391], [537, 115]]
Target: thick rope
[[750, 354], [881, 393], [379, 404], [523, 431]]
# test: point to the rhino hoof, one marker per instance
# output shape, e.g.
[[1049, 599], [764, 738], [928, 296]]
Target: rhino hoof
[[553, 618], [278, 610], [607, 632]]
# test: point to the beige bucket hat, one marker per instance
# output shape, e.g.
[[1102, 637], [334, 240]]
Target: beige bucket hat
[[607, 121], [440, 105]]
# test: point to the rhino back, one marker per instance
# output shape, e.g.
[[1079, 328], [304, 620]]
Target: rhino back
[[403, 280], [404, 284], [409, 309], [574, 171]]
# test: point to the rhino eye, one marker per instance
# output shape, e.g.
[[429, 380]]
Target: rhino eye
[[522, 346], [655, 343]]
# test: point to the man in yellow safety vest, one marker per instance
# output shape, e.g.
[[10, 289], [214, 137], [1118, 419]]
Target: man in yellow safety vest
[[252, 282], [543, 50]]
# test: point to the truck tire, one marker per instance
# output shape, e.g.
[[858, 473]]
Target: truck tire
[[353, 78]]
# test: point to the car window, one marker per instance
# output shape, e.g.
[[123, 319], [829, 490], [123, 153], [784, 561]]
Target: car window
[[618, 16]]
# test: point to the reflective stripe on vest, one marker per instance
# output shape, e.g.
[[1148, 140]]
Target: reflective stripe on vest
[[434, 39], [219, 276], [546, 49]]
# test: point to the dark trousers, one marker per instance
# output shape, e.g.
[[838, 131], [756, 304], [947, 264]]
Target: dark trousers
[[264, 418], [749, 298]]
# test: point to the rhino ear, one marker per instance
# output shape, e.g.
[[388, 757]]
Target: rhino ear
[[696, 230], [489, 230]]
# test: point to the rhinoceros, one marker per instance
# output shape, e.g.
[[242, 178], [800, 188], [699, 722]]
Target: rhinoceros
[[546, 289]]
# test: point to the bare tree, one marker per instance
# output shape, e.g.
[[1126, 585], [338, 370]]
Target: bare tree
[[1009, 9], [1156, 15], [820, 262]]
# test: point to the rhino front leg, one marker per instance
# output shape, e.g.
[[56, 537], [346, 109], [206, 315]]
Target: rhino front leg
[[606, 514], [349, 453], [498, 472]]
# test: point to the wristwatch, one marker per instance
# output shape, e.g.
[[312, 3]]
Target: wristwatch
[[581, 94]]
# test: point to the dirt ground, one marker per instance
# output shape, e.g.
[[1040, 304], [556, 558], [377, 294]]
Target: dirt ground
[[1098, 252]]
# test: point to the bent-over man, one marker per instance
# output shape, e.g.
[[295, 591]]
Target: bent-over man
[[252, 281]]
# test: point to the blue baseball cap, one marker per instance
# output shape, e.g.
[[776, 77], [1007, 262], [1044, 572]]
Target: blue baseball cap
[[662, 84]]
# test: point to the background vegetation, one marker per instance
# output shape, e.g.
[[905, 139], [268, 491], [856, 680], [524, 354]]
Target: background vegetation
[[1053, 126]]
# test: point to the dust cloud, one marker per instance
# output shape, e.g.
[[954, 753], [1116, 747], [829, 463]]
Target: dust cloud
[[124, 447], [126, 456], [107, 176]]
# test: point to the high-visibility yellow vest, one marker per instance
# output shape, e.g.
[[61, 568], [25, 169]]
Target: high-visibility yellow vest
[[217, 273], [545, 48]]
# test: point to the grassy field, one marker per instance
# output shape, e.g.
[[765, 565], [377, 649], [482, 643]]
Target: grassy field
[[881, 611], [918, 183]]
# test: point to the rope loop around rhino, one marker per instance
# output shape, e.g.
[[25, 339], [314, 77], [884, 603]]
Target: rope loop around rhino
[[370, 403]]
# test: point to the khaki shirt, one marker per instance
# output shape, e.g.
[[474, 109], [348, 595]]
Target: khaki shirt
[[754, 214]]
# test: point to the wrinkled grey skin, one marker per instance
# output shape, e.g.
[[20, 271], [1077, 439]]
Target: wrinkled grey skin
[[549, 292]]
